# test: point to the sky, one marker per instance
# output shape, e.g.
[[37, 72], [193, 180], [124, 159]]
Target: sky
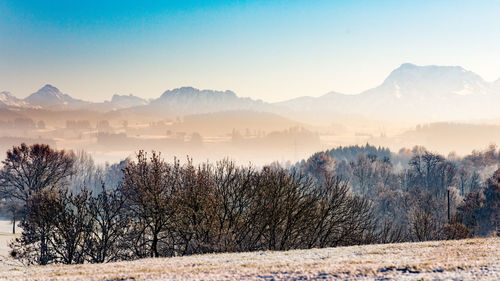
[[269, 50]]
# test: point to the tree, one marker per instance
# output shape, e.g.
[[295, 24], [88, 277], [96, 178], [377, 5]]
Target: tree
[[423, 225], [195, 210], [71, 225], [109, 223], [283, 204], [425, 216], [29, 169], [33, 246], [489, 213], [234, 191], [318, 165], [463, 180], [467, 211], [54, 228], [14, 208], [148, 186], [87, 175], [363, 172], [339, 218], [426, 168]]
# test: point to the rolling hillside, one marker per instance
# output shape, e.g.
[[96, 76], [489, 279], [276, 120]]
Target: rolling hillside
[[477, 259]]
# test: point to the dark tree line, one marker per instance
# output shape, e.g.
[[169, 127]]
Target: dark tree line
[[162, 209], [72, 211]]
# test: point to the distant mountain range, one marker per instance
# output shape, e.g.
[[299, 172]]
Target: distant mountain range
[[188, 100], [431, 93], [51, 98]]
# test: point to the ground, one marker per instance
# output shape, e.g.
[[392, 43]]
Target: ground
[[5, 237], [438, 260]]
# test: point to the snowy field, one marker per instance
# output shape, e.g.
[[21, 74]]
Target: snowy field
[[473, 259], [5, 237]]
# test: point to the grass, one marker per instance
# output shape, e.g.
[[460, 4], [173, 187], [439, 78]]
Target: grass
[[461, 259]]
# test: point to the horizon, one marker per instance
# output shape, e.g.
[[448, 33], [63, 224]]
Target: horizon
[[268, 51], [317, 95]]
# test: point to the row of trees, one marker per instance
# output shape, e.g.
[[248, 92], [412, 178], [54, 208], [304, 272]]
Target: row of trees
[[167, 209], [73, 211], [426, 194]]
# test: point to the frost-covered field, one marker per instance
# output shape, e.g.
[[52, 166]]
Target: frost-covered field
[[464, 259], [5, 237]]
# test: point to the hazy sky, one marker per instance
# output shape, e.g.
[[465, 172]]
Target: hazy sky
[[271, 50]]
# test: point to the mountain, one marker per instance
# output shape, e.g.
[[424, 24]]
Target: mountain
[[176, 102], [189, 100], [118, 102], [431, 93], [124, 101], [412, 81], [8, 100], [49, 97], [427, 93], [322, 103]]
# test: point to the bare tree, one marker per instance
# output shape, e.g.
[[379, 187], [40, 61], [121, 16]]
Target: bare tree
[[33, 247], [196, 210], [423, 225], [234, 191], [148, 185], [363, 172], [54, 228], [490, 209], [284, 202], [425, 216], [71, 225], [13, 208], [29, 169], [109, 223]]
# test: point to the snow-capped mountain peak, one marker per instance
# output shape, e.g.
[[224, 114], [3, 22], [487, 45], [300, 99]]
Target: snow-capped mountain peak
[[7, 99], [410, 79], [50, 97]]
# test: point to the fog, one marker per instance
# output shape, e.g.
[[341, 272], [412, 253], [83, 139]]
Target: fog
[[446, 109]]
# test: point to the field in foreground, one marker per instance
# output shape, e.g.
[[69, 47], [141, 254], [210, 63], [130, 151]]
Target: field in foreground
[[463, 259]]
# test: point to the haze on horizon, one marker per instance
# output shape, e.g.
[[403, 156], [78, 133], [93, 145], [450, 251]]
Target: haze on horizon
[[255, 81], [270, 51]]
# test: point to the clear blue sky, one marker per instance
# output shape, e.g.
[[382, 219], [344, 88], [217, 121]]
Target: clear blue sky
[[271, 50]]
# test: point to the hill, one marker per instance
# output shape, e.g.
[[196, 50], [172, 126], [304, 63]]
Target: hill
[[225, 121], [455, 260]]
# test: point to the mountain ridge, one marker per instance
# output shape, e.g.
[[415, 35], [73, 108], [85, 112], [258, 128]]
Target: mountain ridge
[[50, 97], [433, 93], [451, 92]]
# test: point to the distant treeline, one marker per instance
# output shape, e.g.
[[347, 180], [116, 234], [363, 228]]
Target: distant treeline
[[72, 211], [417, 187]]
